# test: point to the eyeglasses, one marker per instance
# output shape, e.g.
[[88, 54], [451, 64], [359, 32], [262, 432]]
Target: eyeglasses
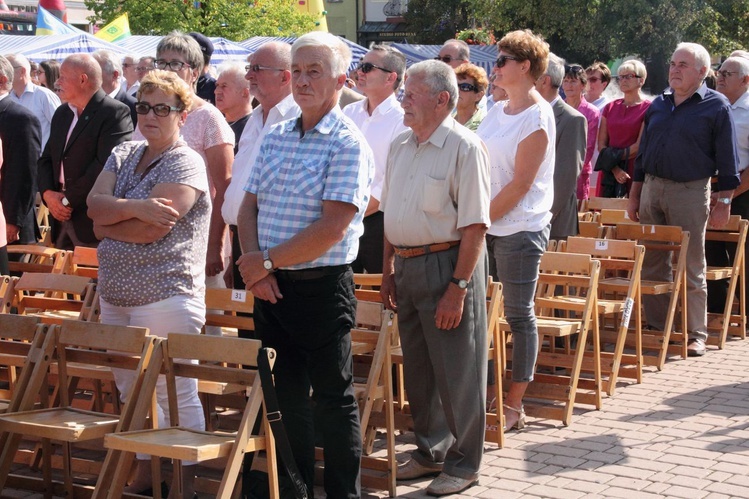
[[467, 87], [626, 77], [594, 79], [172, 65], [367, 67], [162, 110], [256, 68], [502, 60], [726, 74], [143, 69], [447, 59], [127, 65]]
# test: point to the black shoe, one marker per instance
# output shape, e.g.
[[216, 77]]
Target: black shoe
[[695, 348]]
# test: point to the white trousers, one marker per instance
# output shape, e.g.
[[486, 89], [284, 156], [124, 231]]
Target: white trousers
[[177, 314]]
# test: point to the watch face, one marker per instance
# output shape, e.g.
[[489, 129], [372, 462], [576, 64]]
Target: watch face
[[462, 284], [268, 265]]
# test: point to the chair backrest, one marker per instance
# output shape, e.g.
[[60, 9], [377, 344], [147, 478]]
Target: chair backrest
[[563, 274], [657, 238], [48, 295], [613, 217], [36, 258], [598, 204], [84, 262], [729, 232], [222, 306], [367, 287]]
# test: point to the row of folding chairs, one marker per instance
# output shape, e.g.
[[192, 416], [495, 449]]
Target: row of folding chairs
[[72, 344], [38, 258]]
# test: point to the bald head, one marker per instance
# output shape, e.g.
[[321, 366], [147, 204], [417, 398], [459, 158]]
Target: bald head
[[80, 78], [21, 72], [270, 86]]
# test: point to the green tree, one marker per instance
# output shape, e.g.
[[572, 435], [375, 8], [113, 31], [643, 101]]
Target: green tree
[[231, 19]]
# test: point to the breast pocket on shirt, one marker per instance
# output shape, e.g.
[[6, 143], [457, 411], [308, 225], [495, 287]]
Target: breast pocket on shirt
[[434, 197], [309, 177]]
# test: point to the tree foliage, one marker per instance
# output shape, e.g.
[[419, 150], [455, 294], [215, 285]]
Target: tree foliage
[[587, 30], [231, 19]]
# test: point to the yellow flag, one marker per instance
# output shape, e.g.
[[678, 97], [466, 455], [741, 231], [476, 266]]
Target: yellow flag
[[117, 30]]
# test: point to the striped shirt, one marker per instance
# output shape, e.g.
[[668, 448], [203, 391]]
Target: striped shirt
[[295, 172]]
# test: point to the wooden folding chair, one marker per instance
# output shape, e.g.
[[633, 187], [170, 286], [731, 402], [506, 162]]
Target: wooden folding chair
[[55, 297], [614, 217], [371, 339], [589, 228], [83, 262], [598, 204], [81, 343], [182, 444], [42, 221], [618, 259], [720, 325], [563, 279], [495, 419], [655, 344], [37, 258]]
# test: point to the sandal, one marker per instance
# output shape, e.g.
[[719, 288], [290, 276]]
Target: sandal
[[520, 423]]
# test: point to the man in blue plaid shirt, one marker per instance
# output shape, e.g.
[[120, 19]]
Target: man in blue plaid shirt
[[299, 226]]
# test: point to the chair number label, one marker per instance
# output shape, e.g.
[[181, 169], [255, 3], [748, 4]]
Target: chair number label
[[602, 245], [627, 313], [239, 295]]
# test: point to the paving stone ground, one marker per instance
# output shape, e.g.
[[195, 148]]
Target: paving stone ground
[[682, 433]]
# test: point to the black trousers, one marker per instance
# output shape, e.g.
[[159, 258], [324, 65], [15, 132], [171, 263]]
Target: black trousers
[[721, 254], [236, 252], [310, 330], [371, 245]]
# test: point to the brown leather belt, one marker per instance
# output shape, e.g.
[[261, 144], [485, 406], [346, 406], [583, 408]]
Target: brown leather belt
[[414, 251]]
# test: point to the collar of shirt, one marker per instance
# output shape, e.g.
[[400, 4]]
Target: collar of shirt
[[114, 92], [3, 96], [439, 135], [74, 109], [384, 106], [742, 102], [700, 93], [324, 126], [30, 88]]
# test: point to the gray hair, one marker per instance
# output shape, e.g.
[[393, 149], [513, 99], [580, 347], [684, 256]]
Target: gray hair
[[464, 50], [234, 70], [394, 60], [19, 60], [108, 61], [186, 45], [742, 62], [439, 77], [555, 70], [700, 53], [6, 70], [340, 52]]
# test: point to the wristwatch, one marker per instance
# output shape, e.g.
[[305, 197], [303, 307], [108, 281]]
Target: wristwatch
[[724, 200], [267, 262], [461, 283]]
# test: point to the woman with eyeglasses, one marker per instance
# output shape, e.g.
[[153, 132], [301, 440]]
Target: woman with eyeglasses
[[622, 123], [520, 139], [599, 77], [574, 84], [49, 72], [208, 133], [151, 210], [472, 83]]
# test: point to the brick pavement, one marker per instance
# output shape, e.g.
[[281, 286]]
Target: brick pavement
[[683, 433]]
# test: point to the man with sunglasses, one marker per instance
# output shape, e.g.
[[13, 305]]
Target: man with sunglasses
[[733, 82], [380, 119], [83, 134], [688, 137], [454, 53]]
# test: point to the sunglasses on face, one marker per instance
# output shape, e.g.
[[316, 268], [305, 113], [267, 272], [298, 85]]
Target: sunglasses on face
[[172, 65], [162, 110], [467, 87], [502, 60], [725, 74], [367, 67], [626, 77], [594, 79], [447, 59]]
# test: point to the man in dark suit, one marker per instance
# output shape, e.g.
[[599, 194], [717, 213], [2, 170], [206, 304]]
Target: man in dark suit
[[111, 77], [21, 134], [83, 135], [572, 129]]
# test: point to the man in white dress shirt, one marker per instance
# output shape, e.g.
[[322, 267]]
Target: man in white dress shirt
[[380, 119], [39, 100], [269, 74]]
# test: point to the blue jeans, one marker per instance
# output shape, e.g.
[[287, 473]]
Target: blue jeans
[[515, 260]]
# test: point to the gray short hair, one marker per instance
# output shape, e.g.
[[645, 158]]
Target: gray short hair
[[340, 52], [742, 62], [555, 70], [186, 45], [19, 60], [700, 53], [6, 70], [464, 50], [636, 66], [438, 76], [394, 60], [108, 61], [234, 70]]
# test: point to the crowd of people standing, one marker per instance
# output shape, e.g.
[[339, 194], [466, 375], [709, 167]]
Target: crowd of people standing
[[262, 179]]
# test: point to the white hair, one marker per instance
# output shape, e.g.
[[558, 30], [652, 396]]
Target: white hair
[[235, 70], [438, 76], [742, 62], [20, 60], [340, 52], [700, 53], [108, 61]]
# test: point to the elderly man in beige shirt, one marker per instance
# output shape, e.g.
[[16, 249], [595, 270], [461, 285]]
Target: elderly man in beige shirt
[[436, 203]]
